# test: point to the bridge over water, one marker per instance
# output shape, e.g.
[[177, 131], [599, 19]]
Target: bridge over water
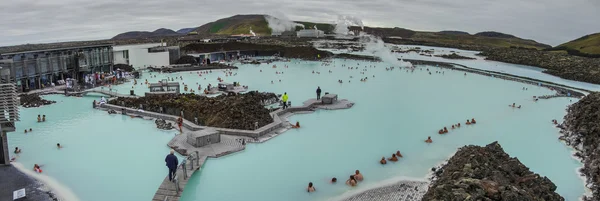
[[106, 92]]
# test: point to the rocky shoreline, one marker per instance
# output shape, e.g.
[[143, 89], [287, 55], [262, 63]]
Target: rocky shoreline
[[454, 56], [33, 100], [559, 64], [488, 173], [581, 130]]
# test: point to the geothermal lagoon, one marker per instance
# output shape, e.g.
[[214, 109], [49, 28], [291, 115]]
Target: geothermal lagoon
[[115, 157]]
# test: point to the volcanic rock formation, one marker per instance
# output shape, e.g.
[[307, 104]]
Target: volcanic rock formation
[[33, 100], [488, 173], [581, 130], [240, 111]]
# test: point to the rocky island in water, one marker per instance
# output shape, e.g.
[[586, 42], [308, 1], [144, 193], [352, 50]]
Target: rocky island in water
[[240, 111], [488, 173], [33, 100]]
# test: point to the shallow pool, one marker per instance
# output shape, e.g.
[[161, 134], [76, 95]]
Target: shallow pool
[[395, 110], [114, 157]]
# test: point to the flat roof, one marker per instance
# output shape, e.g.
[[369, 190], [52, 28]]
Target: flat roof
[[57, 49]]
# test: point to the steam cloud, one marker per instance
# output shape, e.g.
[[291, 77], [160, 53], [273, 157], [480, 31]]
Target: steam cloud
[[373, 44], [343, 22], [280, 23]]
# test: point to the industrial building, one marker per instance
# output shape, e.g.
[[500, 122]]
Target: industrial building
[[310, 33], [38, 68], [285, 34], [145, 55]]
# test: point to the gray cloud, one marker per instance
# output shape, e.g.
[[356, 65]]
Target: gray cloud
[[547, 21]]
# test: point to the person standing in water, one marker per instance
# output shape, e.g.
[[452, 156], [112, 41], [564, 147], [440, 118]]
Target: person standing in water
[[172, 163], [310, 188], [318, 93]]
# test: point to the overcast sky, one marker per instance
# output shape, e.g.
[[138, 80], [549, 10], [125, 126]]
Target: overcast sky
[[548, 21]]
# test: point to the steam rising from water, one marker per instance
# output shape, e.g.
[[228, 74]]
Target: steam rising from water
[[280, 23], [343, 22], [61, 191], [376, 46], [373, 44]]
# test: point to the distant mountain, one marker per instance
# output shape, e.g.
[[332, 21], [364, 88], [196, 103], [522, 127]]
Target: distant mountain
[[238, 24], [454, 32], [494, 34], [589, 44], [145, 34], [185, 30], [242, 24]]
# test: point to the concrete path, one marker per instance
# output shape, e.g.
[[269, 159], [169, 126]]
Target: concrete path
[[403, 190], [13, 179]]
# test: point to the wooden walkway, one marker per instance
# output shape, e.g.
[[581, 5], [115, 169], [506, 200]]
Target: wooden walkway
[[168, 190]]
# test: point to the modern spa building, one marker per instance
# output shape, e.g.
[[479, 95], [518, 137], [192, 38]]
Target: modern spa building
[[37, 68], [145, 55]]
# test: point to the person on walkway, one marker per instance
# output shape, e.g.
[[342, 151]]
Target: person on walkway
[[285, 99], [172, 163], [318, 93], [180, 124]]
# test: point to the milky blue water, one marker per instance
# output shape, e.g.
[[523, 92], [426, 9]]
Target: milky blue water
[[104, 157], [119, 158]]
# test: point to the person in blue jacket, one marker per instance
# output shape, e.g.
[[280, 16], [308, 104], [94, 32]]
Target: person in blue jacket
[[172, 163]]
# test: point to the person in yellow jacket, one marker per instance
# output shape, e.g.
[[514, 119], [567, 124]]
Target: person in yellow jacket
[[285, 99]]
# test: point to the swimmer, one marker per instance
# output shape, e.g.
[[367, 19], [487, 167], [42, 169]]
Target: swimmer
[[30, 129], [358, 176], [25, 130], [383, 161], [519, 107], [445, 130], [393, 158], [458, 125], [452, 127], [310, 188], [474, 122], [17, 150], [468, 122], [351, 181], [398, 154], [43, 117], [441, 131], [271, 81], [37, 168], [39, 118], [429, 140], [297, 125], [58, 146], [333, 180]]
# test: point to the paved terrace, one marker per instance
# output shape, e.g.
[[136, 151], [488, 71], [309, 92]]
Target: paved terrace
[[13, 179], [403, 190], [230, 140]]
